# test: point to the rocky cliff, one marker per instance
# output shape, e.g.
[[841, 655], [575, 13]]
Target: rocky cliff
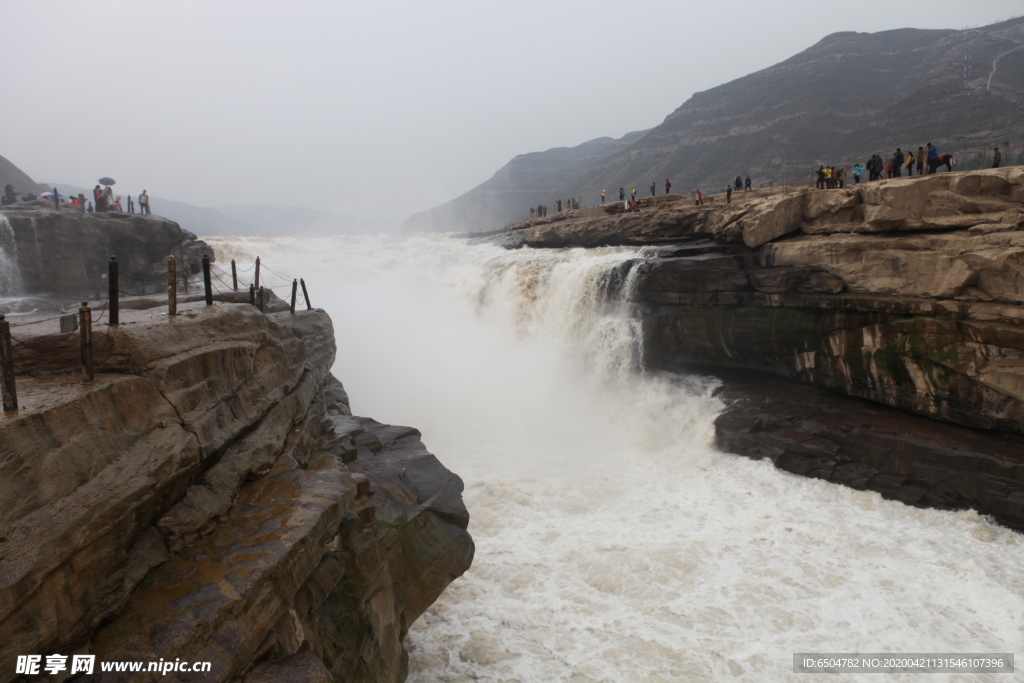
[[909, 293], [65, 252], [210, 497]]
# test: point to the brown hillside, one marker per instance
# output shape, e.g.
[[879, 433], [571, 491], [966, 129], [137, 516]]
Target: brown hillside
[[11, 174], [838, 102]]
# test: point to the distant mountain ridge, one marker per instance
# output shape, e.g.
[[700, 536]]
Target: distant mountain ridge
[[14, 176], [518, 184], [838, 102]]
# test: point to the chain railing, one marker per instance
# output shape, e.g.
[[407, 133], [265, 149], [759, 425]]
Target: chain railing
[[211, 274]]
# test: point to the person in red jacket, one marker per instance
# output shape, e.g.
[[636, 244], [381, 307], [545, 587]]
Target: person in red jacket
[[668, 186]]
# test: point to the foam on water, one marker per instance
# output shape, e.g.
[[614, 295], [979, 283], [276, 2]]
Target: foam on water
[[613, 542]]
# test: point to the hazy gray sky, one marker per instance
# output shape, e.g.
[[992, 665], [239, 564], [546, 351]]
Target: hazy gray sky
[[389, 107]]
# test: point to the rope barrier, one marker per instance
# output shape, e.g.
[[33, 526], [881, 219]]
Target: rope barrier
[[61, 339], [103, 312], [278, 273], [219, 273], [150, 279], [36, 322]]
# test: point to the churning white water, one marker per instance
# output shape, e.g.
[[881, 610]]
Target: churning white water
[[10, 273], [614, 543]]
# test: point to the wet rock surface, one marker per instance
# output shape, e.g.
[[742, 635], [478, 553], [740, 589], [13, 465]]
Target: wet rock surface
[[209, 497], [867, 446]]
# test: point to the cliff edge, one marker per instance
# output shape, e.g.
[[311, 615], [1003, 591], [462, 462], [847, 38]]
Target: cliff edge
[[209, 497], [907, 292], [64, 252]]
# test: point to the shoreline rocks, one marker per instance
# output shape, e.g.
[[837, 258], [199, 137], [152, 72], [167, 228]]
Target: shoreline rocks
[[865, 445]]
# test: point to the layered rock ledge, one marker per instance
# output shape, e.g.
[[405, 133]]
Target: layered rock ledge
[[210, 497], [906, 292]]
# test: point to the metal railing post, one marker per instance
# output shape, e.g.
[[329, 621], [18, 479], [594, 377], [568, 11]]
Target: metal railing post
[[305, 295], [252, 294], [295, 290], [85, 334], [234, 275], [207, 284], [113, 291], [184, 275], [7, 388], [256, 280], [172, 286]]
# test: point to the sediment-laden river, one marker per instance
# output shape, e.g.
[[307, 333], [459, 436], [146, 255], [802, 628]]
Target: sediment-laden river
[[614, 543]]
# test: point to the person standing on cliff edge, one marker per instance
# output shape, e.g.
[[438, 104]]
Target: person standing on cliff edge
[[622, 194], [997, 157], [653, 189], [144, 203], [602, 196], [668, 186]]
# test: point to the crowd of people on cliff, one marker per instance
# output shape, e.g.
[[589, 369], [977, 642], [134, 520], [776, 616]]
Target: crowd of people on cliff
[[633, 202], [923, 161], [542, 210], [104, 200]]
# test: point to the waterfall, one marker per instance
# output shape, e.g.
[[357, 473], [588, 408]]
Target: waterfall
[[10, 274], [614, 542]]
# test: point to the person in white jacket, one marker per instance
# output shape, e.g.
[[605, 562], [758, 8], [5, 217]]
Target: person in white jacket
[[144, 203]]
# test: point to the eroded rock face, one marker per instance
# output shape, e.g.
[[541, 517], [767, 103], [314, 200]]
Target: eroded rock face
[[65, 252], [209, 497], [867, 446]]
